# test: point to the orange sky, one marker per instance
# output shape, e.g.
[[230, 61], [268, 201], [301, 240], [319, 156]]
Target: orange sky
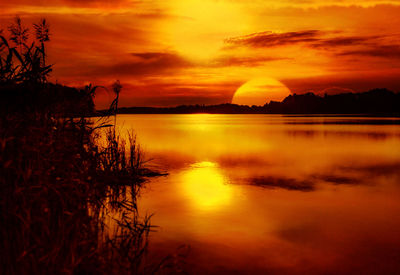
[[171, 52]]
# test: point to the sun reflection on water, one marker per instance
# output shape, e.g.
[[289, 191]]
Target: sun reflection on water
[[206, 187]]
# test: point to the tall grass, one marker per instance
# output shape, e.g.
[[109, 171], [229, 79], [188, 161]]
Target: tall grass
[[68, 202]]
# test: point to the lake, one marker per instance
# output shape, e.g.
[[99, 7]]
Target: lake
[[257, 194]]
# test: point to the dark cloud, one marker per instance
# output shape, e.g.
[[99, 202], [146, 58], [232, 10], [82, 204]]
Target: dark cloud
[[384, 51], [270, 39], [146, 63], [226, 61], [94, 2], [73, 3], [342, 41], [155, 55], [367, 46], [310, 38]]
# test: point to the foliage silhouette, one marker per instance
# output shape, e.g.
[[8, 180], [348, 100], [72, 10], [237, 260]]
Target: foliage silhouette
[[374, 102], [24, 63], [68, 184], [42, 31]]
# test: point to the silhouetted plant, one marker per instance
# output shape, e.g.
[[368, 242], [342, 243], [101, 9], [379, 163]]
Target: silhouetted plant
[[59, 184], [24, 63], [42, 35], [19, 34], [114, 105]]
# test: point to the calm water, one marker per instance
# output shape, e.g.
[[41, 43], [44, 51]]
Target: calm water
[[256, 194]]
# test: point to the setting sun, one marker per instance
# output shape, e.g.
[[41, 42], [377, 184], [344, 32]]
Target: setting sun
[[259, 91], [199, 137]]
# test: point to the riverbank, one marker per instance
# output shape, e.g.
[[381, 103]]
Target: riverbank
[[57, 188]]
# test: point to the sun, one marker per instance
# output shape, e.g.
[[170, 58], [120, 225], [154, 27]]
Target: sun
[[259, 91]]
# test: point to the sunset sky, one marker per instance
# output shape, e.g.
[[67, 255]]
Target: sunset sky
[[172, 52]]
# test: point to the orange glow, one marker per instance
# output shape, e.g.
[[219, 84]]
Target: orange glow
[[167, 53], [206, 187], [198, 36], [261, 192], [259, 91]]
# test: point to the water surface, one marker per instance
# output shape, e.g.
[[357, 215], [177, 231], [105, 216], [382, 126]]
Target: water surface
[[256, 194]]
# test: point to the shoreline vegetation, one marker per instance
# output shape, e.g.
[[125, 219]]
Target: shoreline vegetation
[[68, 203], [376, 102]]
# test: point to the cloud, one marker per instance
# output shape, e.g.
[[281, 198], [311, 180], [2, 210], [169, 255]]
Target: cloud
[[226, 61], [343, 41], [144, 63], [383, 51], [145, 8], [270, 39], [247, 61], [94, 3], [77, 3], [154, 55], [367, 46], [311, 38], [317, 3]]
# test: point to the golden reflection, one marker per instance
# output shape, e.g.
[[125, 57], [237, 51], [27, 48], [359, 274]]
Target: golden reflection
[[200, 122], [206, 187]]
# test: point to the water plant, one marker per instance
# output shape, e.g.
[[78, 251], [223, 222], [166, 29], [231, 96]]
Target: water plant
[[68, 183]]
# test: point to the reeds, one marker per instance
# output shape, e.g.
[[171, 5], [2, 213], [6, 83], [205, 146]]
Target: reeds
[[68, 203], [25, 61]]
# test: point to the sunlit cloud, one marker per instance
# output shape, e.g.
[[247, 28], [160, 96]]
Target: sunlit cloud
[[176, 52], [270, 39]]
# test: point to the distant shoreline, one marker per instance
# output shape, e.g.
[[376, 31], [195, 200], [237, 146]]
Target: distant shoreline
[[377, 102], [394, 116]]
